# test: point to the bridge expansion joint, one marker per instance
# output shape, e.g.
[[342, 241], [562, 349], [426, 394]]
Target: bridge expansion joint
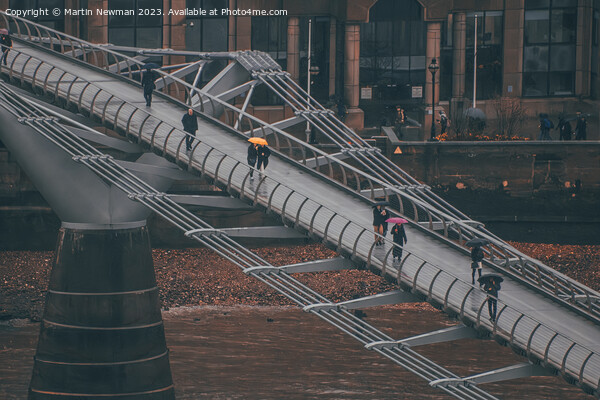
[[261, 269], [312, 113], [24, 120], [203, 232], [385, 344], [260, 73], [317, 307], [102, 157], [360, 150], [147, 196]]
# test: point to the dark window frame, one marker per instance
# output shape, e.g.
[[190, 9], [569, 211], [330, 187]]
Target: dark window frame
[[139, 22], [394, 70], [276, 48], [482, 17], [550, 45]]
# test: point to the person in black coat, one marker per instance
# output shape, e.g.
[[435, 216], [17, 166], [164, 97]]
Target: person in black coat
[[263, 153], [190, 125], [252, 155], [476, 261], [149, 86], [6, 42], [399, 235], [564, 129], [581, 129], [379, 216], [491, 288]]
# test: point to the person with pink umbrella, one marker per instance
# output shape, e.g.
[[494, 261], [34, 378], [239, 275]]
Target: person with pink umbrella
[[399, 236], [5, 43]]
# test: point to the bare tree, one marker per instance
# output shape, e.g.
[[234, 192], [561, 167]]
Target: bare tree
[[510, 115]]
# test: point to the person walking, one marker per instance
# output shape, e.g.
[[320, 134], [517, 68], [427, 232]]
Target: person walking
[[379, 216], [399, 121], [491, 287], [341, 110], [399, 235], [443, 122], [263, 153], [6, 42], [476, 262], [545, 126], [581, 128], [149, 86], [190, 126], [252, 156], [564, 129]]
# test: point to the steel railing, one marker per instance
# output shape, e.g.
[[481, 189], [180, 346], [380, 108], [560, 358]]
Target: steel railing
[[105, 167], [408, 273], [412, 200]]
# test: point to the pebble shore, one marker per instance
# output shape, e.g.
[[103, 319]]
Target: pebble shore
[[196, 277]]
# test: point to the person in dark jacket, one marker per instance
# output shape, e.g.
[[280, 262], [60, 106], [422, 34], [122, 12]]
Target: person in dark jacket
[[581, 129], [545, 126], [491, 288], [252, 155], [476, 261], [379, 216], [149, 86], [564, 129], [341, 110], [263, 153], [399, 121], [190, 125], [6, 42], [399, 236]]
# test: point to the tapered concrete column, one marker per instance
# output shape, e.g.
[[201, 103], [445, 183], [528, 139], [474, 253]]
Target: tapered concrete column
[[458, 62], [355, 117], [102, 334], [434, 42], [293, 48]]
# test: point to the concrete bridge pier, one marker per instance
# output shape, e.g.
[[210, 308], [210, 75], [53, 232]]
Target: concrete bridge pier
[[102, 334], [102, 330]]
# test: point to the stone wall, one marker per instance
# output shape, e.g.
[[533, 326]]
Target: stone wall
[[554, 180]]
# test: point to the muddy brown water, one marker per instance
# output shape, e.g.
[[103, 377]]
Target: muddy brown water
[[282, 353]]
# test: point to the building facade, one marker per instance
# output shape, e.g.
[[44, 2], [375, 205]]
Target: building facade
[[374, 54]]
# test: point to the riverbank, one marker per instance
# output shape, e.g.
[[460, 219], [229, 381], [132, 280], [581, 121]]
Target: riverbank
[[197, 277]]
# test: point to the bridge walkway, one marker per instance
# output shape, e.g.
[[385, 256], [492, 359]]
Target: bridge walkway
[[326, 211]]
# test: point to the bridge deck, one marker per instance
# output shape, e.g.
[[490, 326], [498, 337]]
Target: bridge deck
[[288, 186]]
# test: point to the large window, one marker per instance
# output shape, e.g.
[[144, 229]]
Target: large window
[[549, 48], [446, 60], [320, 37], [57, 23], [135, 30], [269, 34], [392, 50], [489, 54], [206, 33]]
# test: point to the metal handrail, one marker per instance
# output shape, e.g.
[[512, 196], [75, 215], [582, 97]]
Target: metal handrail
[[571, 288], [562, 366], [138, 190]]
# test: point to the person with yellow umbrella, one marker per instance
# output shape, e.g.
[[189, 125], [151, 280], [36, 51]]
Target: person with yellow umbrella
[[258, 154]]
